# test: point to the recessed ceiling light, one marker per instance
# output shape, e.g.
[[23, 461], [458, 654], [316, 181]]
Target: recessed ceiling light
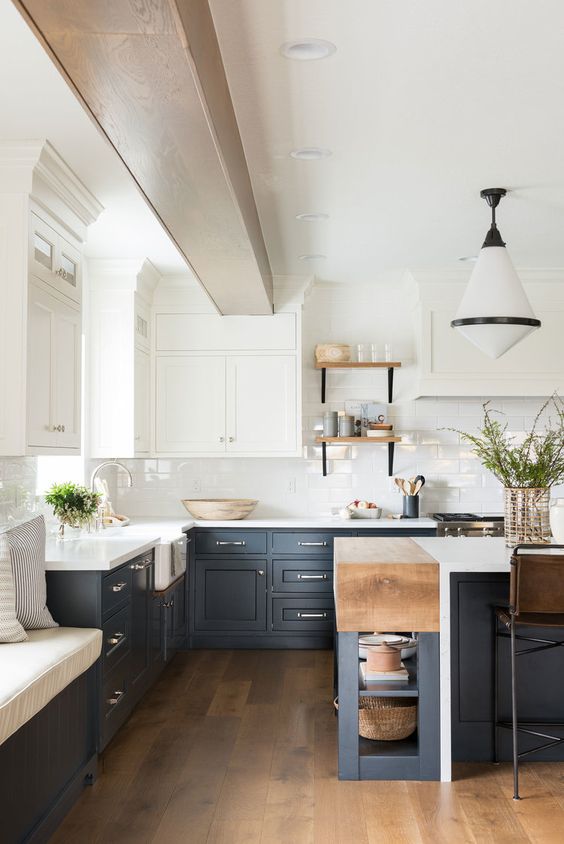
[[310, 153], [306, 49], [470, 258], [313, 257], [311, 218]]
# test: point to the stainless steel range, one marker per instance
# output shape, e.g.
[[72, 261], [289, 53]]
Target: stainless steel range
[[468, 524]]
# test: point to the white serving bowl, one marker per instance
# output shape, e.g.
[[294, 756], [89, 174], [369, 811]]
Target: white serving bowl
[[366, 512], [220, 509]]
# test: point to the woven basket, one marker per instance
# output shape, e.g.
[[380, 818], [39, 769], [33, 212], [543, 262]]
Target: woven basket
[[386, 718]]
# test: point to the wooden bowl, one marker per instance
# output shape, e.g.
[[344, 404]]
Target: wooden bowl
[[220, 509]]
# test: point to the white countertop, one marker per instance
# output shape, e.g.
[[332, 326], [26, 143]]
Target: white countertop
[[96, 553], [324, 523]]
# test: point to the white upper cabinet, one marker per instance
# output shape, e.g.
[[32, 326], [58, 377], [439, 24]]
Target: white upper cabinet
[[448, 365], [45, 212], [54, 373], [119, 351], [261, 404], [190, 405], [226, 386]]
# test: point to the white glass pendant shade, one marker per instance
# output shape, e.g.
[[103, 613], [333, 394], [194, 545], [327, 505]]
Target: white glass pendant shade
[[495, 290]]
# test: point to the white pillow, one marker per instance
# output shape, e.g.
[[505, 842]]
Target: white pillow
[[10, 628], [27, 554]]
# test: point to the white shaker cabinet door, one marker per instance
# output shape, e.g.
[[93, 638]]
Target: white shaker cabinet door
[[41, 423], [261, 404], [67, 375], [190, 412], [53, 373], [141, 422]]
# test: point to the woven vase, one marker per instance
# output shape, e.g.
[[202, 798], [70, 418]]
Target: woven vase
[[527, 515]]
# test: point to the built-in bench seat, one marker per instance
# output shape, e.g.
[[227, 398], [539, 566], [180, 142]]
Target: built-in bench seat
[[33, 672], [48, 735]]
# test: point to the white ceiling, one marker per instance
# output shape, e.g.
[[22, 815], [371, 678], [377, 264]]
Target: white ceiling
[[423, 104], [35, 102]]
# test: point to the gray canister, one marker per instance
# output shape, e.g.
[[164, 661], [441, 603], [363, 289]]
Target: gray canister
[[330, 423], [346, 426]]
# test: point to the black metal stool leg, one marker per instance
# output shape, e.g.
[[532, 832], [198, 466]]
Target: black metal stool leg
[[496, 714], [514, 713]]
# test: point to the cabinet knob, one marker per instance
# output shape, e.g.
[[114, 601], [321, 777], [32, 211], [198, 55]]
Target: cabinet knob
[[117, 587], [231, 439], [61, 273], [117, 696], [261, 572], [221, 439]]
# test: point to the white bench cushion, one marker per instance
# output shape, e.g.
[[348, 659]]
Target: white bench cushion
[[33, 672]]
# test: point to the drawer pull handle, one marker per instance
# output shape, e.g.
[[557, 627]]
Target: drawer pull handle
[[117, 587], [139, 566], [312, 576], [115, 639], [313, 544], [117, 696], [240, 542], [312, 615]]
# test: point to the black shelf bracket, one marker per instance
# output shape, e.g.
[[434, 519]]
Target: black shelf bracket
[[391, 449], [323, 371], [390, 459]]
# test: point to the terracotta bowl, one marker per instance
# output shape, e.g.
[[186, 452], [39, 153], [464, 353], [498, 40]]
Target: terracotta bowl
[[220, 509]]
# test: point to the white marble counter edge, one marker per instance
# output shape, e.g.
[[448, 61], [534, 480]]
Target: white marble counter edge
[[457, 555], [327, 523]]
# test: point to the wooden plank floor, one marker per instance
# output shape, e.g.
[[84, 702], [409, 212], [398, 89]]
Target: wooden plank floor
[[239, 747]]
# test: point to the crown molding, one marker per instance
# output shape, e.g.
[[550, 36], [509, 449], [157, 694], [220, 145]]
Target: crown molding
[[34, 167]]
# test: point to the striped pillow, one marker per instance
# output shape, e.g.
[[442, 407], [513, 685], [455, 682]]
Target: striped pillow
[[27, 553], [10, 628]]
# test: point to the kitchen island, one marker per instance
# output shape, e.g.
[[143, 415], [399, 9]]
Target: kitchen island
[[465, 629]]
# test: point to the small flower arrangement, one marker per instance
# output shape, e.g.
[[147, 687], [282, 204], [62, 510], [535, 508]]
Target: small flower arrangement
[[72, 504]]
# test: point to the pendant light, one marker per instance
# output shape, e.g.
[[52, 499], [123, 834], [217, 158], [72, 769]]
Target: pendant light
[[494, 313]]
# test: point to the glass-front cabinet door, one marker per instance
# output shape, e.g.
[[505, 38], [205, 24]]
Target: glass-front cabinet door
[[54, 260]]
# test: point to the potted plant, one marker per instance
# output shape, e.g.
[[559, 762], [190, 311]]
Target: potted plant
[[526, 466], [73, 505]]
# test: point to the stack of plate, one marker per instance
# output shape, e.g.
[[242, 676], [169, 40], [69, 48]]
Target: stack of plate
[[408, 645]]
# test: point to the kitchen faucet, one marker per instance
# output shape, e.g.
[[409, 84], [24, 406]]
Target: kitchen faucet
[[110, 463]]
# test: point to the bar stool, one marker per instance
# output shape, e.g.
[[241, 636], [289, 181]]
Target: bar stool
[[536, 599]]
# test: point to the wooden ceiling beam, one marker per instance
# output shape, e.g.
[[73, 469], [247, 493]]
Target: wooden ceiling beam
[[150, 73]]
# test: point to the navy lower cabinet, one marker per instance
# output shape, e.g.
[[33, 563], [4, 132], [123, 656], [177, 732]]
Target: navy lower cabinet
[[254, 588], [540, 676], [124, 605]]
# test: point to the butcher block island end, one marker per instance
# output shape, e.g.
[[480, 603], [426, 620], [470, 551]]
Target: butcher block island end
[[387, 584]]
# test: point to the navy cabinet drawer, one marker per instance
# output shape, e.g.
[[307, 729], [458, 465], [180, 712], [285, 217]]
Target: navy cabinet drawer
[[116, 635], [230, 542], [116, 589], [302, 576], [303, 543], [114, 704], [310, 614]]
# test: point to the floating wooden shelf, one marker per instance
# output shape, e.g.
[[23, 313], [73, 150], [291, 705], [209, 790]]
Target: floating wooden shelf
[[390, 365], [389, 441]]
